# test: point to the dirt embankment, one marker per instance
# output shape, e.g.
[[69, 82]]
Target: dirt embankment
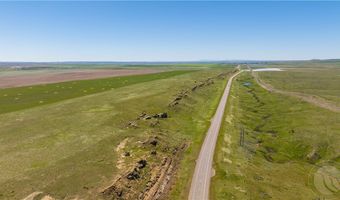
[[315, 100], [203, 83], [67, 75], [151, 175], [146, 180]]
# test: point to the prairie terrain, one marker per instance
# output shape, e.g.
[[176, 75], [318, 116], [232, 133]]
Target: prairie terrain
[[34, 77], [274, 146], [18, 98], [322, 82], [139, 138]]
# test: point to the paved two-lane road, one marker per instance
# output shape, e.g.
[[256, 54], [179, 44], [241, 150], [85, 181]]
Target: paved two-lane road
[[203, 171]]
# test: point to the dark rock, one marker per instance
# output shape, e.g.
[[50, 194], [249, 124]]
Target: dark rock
[[154, 141], [133, 175], [164, 115], [174, 103], [141, 164], [119, 193], [161, 115], [178, 98], [259, 141], [126, 154]]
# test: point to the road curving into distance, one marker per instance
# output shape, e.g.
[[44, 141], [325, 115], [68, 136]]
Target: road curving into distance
[[200, 184]]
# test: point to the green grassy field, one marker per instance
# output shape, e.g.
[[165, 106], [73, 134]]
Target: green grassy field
[[323, 81], [68, 149], [13, 99], [286, 143], [300, 64]]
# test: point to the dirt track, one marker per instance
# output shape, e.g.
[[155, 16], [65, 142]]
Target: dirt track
[[315, 100], [67, 75]]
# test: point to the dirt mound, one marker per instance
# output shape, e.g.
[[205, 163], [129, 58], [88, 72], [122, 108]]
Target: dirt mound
[[179, 97], [142, 182], [198, 84], [206, 82], [145, 116]]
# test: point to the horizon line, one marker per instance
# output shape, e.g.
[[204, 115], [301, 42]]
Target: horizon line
[[168, 61]]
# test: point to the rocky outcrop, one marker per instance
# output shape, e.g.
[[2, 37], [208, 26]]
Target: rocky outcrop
[[145, 181]]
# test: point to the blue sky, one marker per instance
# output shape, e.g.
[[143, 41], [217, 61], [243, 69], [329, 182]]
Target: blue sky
[[168, 31]]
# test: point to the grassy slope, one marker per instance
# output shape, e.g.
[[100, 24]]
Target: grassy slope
[[279, 133], [67, 148], [324, 82], [13, 99]]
